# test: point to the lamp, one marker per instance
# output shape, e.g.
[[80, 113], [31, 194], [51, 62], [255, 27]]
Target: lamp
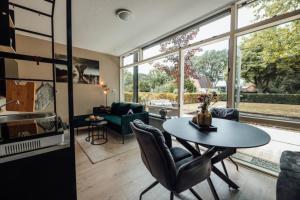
[[105, 91]]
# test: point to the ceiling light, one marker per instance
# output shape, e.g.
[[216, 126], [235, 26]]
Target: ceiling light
[[123, 14]]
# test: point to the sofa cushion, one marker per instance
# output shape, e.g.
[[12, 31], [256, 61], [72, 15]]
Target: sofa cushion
[[114, 119], [115, 108], [290, 161], [123, 108], [137, 108]]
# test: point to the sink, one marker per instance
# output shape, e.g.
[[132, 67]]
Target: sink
[[25, 116]]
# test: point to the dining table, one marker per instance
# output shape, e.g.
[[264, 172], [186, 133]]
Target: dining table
[[229, 136]]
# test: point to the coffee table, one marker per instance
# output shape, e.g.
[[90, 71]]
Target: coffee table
[[97, 139]]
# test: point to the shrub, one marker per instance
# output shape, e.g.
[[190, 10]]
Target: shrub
[[293, 99], [190, 98]]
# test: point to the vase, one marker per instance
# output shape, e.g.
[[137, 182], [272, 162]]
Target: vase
[[163, 113], [204, 118]]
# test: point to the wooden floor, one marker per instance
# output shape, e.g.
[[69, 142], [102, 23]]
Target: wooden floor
[[123, 177]]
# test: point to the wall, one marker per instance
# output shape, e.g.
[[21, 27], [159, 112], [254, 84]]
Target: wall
[[85, 96]]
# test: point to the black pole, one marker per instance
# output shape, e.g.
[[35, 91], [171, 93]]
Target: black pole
[[53, 55], [70, 89]]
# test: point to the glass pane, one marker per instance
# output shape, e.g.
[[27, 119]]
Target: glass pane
[[211, 29], [128, 60], [259, 10], [205, 70], [128, 84], [158, 85], [214, 28], [268, 78]]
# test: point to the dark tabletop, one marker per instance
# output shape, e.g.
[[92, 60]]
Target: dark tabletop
[[230, 134]]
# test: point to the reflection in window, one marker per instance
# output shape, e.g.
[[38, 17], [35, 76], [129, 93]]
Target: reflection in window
[[255, 11], [268, 71], [158, 85]]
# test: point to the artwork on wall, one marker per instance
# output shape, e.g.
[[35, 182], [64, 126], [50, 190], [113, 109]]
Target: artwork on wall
[[44, 96], [85, 71]]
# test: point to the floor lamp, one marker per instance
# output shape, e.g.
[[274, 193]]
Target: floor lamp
[[105, 91]]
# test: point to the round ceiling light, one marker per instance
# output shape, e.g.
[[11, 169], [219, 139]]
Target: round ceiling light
[[123, 14]]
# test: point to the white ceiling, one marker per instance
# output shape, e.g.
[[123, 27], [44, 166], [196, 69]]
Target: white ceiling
[[95, 26]]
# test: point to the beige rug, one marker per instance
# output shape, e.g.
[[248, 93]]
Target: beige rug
[[114, 146]]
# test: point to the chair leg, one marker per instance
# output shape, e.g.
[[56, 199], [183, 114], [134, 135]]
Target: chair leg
[[224, 167], [236, 165], [195, 194], [123, 138], [197, 148], [148, 188], [171, 196], [212, 188]]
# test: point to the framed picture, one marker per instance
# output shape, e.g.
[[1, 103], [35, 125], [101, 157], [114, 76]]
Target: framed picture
[[85, 71]]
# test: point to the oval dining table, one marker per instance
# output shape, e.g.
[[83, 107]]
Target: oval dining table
[[229, 136]]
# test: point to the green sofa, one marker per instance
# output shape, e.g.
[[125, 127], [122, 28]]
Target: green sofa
[[118, 119]]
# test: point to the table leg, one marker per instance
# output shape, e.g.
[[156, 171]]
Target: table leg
[[226, 153], [188, 146], [89, 134], [225, 178]]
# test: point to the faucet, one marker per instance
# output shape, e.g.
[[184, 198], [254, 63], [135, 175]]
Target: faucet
[[10, 102]]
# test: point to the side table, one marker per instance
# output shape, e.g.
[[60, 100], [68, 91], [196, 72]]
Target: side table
[[97, 138]]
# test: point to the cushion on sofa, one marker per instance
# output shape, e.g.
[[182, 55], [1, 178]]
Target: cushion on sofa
[[119, 108], [115, 108], [136, 108], [114, 119], [123, 108]]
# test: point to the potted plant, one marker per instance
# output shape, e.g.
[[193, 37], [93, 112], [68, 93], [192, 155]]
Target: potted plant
[[203, 117]]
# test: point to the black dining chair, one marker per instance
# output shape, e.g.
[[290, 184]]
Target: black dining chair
[[229, 114], [175, 172]]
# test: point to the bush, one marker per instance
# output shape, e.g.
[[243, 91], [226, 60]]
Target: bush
[[190, 98], [293, 99]]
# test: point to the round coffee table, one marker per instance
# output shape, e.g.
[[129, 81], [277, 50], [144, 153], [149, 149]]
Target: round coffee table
[[100, 124]]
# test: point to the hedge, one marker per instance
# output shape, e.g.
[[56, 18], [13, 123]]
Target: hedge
[[293, 99], [190, 98]]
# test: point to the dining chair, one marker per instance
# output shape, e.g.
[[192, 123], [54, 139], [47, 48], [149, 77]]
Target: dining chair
[[229, 114], [175, 174]]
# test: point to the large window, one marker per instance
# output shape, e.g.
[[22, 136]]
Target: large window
[[268, 75], [254, 67], [158, 83]]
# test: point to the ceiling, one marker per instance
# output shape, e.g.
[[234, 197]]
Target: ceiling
[[95, 26]]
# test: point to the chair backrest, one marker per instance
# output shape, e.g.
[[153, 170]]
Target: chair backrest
[[225, 113], [155, 153]]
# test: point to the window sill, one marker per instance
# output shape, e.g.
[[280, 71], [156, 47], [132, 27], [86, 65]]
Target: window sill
[[277, 121]]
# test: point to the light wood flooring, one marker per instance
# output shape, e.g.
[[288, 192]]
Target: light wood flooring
[[123, 177]]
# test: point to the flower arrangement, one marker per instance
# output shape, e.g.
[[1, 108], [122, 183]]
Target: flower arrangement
[[204, 118], [206, 99]]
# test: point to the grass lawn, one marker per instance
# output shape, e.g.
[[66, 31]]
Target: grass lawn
[[283, 110]]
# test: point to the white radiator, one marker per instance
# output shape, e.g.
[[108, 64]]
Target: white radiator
[[30, 145]]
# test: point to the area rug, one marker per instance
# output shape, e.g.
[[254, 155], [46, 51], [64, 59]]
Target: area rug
[[114, 146]]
